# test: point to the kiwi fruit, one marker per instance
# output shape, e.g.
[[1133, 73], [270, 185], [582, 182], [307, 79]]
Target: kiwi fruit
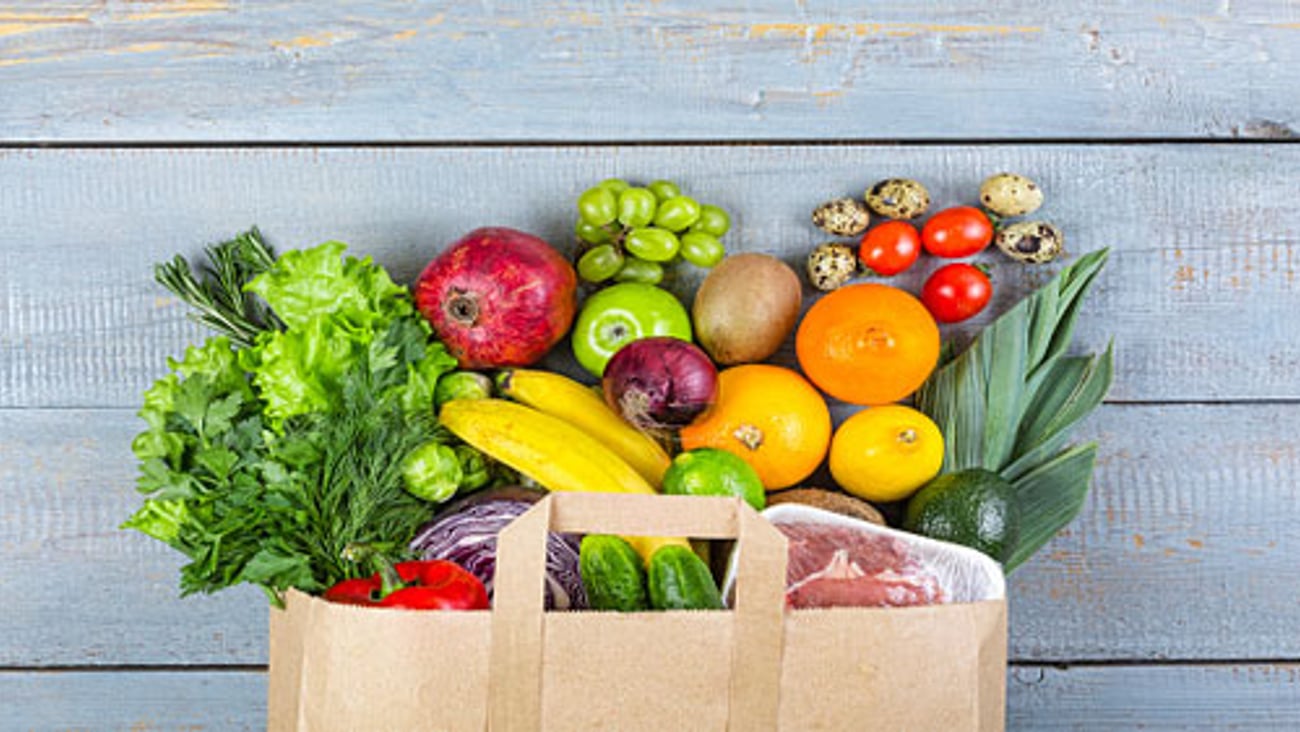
[[746, 307]]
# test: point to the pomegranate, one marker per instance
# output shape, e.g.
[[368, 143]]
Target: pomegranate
[[498, 297]]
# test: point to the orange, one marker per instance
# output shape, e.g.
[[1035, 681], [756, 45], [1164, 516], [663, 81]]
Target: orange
[[771, 417], [867, 344]]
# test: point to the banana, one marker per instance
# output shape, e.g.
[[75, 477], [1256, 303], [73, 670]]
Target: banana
[[556, 454], [579, 405]]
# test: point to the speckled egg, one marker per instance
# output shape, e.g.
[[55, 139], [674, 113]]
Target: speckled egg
[[898, 198], [842, 217], [1009, 194], [831, 265], [1033, 242]]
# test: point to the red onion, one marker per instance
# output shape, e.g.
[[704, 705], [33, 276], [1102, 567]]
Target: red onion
[[660, 383]]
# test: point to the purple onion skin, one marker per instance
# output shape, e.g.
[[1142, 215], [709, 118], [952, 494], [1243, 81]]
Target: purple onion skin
[[660, 383]]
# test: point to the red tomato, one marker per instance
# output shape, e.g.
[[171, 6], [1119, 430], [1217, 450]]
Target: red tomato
[[890, 248], [957, 232], [955, 292]]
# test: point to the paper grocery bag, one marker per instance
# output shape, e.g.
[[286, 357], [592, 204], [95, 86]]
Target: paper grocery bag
[[756, 667]]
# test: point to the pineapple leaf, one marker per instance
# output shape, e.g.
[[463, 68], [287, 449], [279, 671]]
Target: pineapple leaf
[[954, 418], [1076, 387], [1049, 497], [1004, 361], [1009, 401]]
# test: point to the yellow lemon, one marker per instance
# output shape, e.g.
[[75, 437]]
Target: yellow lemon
[[886, 453]]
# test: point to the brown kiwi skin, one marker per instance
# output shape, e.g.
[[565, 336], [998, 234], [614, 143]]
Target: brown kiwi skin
[[746, 307]]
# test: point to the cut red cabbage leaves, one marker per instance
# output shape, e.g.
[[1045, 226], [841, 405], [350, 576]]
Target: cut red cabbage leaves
[[467, 535]]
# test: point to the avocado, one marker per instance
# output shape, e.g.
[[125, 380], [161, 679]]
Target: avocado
[[973, 507]]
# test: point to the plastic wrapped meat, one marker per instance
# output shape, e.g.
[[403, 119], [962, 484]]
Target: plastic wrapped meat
[[832, 566], [837, 561]]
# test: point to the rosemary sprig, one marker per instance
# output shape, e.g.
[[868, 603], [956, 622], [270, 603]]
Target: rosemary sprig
[[216, 290]]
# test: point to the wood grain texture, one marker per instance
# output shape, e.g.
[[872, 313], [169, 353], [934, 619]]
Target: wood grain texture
[[1184, 551], [1080, 699], [1199, 294], [123, 70], [1154, 698], [1185, 548], [133, 701], [80, 591]]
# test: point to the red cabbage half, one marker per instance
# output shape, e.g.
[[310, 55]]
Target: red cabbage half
[[467, 535]]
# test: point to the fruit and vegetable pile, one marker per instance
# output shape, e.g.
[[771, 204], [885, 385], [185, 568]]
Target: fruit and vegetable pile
[[352, 438]]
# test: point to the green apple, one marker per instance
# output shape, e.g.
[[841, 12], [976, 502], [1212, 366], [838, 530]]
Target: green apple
[[622, 313]]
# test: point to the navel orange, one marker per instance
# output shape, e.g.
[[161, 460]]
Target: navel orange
[[867, 344], [771, 417]]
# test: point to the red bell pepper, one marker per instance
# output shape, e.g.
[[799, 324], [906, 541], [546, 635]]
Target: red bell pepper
[[428, 585]]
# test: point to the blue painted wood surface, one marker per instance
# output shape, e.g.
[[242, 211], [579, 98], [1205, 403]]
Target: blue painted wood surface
[[579, 70], [1198, 291], [1259, 697], [1169, 604]]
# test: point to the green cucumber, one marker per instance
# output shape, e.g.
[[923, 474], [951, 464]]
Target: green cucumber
[[680, 580], [612, 573]]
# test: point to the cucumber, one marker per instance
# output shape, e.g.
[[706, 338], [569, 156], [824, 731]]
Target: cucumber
[[612, 573], [680, 580]]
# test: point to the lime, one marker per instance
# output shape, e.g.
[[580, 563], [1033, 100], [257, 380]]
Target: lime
[[973, 507], [708, 471]]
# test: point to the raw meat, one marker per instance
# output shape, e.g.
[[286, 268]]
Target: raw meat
[[833, 566]]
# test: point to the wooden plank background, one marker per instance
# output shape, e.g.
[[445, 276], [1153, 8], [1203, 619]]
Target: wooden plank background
[[1204, 239], [134, 129], [646, 69], [1159, 699]]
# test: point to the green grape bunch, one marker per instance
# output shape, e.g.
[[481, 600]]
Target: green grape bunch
[[630, 233]]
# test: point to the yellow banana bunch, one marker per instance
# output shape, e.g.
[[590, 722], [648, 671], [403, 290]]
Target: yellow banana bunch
[[548, 449], [555, 453], [571, 401]]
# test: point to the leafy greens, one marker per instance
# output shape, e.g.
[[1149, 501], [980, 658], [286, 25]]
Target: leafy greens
[[261, 463]]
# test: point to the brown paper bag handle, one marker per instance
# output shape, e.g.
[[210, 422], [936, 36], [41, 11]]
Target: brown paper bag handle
[[515, 678]]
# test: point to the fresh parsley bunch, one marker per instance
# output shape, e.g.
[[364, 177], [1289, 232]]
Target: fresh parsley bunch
[[276, 444]]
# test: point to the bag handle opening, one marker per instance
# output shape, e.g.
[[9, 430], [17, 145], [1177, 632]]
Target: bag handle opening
[[515, 679]]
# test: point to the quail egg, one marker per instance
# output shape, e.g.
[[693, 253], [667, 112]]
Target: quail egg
[[842, 217], [1009, 194], [831, 265], [898, 198], [1033, 242]]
